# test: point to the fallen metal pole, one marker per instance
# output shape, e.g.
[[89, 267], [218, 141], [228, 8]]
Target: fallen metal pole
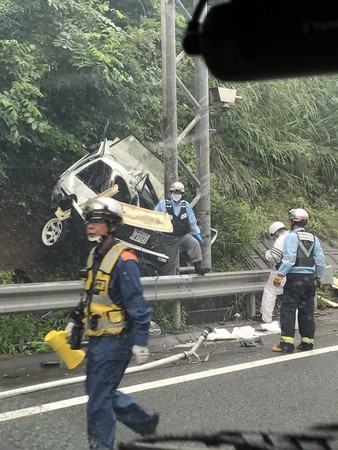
[[81, 379]]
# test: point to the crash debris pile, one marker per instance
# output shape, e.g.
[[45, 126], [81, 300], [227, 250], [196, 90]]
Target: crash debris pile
[[246, 332]]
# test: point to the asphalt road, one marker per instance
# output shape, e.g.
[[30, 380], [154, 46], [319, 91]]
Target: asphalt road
[[248, 388]]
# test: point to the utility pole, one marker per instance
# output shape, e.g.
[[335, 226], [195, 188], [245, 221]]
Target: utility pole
[[169, 93], [203, 156], [200, 124]]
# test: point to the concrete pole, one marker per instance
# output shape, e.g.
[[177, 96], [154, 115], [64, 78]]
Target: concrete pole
[[203, 157], [170, 155], [201, 122]]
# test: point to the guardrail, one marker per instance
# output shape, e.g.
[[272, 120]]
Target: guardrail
[[33, 297]]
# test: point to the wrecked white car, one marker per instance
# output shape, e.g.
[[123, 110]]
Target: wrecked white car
[[124, 170]]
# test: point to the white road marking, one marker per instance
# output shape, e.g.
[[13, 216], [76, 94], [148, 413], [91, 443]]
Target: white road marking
[[10, 415]]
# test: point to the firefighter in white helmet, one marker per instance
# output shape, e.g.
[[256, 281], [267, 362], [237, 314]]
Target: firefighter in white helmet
[[186, 235], [277, 232], [303, 265]]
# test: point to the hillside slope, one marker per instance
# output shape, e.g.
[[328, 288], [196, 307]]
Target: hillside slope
[[22, 249]]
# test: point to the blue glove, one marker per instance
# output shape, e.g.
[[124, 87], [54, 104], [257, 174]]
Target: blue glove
[[199, 237]]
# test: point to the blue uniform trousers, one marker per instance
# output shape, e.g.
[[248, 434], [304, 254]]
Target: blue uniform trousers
[[107, 359]]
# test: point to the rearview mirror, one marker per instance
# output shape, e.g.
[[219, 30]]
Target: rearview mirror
[[247, 40]]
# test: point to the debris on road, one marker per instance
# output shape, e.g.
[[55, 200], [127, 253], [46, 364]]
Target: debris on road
[[50, 364], [255, 342]]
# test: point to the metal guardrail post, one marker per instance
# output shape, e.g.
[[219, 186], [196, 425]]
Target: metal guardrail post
[[177, 314], [251, 305]]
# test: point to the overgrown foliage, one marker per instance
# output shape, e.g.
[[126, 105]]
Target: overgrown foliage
[[71, 69], [6, 277], [67, 69], [163, 315], [24, 333], [282, 132], [238, 225], [278, 149]]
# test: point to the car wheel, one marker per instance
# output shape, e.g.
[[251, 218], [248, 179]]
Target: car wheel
[[53, 232]]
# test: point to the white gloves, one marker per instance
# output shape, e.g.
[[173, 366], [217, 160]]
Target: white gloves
[[69, 328], [141, 354]]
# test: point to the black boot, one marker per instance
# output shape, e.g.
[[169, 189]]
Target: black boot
[[257, 318], [199, 270], [304, 346], [150, 428]]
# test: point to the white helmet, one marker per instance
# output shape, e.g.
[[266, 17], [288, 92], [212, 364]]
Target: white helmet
[[276, 226], [299, 216], [105, 208], [177, 187]]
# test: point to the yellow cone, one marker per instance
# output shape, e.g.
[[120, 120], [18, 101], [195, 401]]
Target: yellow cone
[[57, 340]]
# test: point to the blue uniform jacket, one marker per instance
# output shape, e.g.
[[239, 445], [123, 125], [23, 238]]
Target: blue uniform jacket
[[161, 207], [290, 255], [126, 291]]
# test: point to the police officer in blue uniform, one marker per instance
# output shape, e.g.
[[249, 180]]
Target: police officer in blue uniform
[[186, 235], [303, 264], [116, 320]]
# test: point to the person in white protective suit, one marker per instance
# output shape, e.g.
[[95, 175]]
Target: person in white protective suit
[[277, 232]]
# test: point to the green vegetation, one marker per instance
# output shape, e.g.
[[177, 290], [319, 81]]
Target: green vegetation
[[163, 316], [6, 277], [24, 333], [69, 68], [278, 150]]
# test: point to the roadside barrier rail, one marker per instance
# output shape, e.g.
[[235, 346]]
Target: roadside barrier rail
[[34, 297]]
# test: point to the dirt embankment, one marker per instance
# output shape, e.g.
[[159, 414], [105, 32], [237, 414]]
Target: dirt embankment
[[21, 247]]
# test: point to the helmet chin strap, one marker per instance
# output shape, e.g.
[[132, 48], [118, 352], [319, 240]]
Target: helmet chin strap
[[97, 239], [100, 239]]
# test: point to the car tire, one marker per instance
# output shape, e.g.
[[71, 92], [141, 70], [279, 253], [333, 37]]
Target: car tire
[[53, 233]]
